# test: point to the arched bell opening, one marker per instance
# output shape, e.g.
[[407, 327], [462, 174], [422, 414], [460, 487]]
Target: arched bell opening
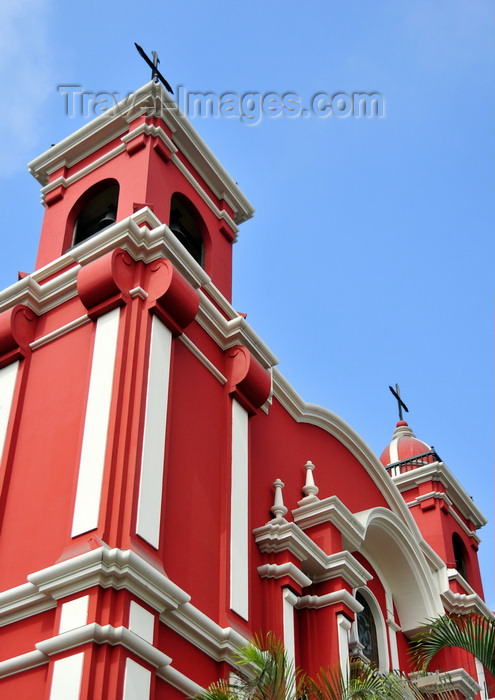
[[95, 210], [460, 556], [188, 227]]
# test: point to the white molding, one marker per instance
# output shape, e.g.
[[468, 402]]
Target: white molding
[[59, 332], [8, 381], [94, 165], [121, 570], [315, 563], [149, 506], [108, 568], [457, 679], [289, 569], [239, 512], [203, 359], [399, 559], [462, 603], [138, 292], [23, 662], [304, 412], [96, 423], [151, 98], [98, 634], [56, 282], [441, 496], [40, 295], [179, 681], [234, 331], [315, 602], [220, 643], [189, 176], [438, 471], [331, 510]]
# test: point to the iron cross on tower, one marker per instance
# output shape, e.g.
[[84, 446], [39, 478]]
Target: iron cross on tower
[[153, 64], [400, 403]]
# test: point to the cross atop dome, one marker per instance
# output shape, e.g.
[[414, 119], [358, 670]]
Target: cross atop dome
[[400, 403]]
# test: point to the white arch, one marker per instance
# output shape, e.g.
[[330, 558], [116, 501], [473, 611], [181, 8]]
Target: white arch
[[414, 584], [329, 421]]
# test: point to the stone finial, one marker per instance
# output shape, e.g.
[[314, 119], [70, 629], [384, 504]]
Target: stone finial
[[309, 489], [278, 509]]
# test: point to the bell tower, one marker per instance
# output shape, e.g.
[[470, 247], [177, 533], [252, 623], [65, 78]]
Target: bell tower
[[444, 512], [140, 155], [126, 377]]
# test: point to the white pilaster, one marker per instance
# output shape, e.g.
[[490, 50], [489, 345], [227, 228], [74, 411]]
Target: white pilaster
[[137, 681], [344, 627], [88, 494], [74, 614], [8, 376], [239, 553], [290, 599], [151, 481], [141, 622], [67, 677]]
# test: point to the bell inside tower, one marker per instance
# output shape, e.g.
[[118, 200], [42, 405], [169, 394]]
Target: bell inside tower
[[99, 212], [184, 226]]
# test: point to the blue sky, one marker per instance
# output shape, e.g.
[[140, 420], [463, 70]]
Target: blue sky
[[370, 257]]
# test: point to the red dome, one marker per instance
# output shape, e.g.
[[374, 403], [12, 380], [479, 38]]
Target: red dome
[[404, 445]]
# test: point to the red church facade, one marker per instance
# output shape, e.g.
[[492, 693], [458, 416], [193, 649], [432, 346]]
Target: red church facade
[[165, 493]]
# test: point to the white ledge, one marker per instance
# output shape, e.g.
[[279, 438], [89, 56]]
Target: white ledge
[[289, 569], [284, 536], [314, 602], [331, 510]]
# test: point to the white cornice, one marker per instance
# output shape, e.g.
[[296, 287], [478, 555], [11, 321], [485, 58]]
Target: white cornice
[[461, 603], [438, 471], [203, 359], [314, 602], [441, 496], [120, 570], [331, 510], [220, 643], [98, 634], [56, 283], [233, 331], [283, 536], [94, 165], [457, 679], [150, 99], [289, 569]]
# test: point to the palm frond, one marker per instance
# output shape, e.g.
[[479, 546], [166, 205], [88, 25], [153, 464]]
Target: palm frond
[[365, 682], [472, 632]]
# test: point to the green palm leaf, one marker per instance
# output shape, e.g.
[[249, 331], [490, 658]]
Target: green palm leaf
[[366, 683], [473, 632]]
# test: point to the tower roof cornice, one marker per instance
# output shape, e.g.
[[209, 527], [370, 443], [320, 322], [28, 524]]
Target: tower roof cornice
[[151, 100]]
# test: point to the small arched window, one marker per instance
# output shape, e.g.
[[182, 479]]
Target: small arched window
[[459, 555], [366, 630], [99, 212], [185, 225]]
